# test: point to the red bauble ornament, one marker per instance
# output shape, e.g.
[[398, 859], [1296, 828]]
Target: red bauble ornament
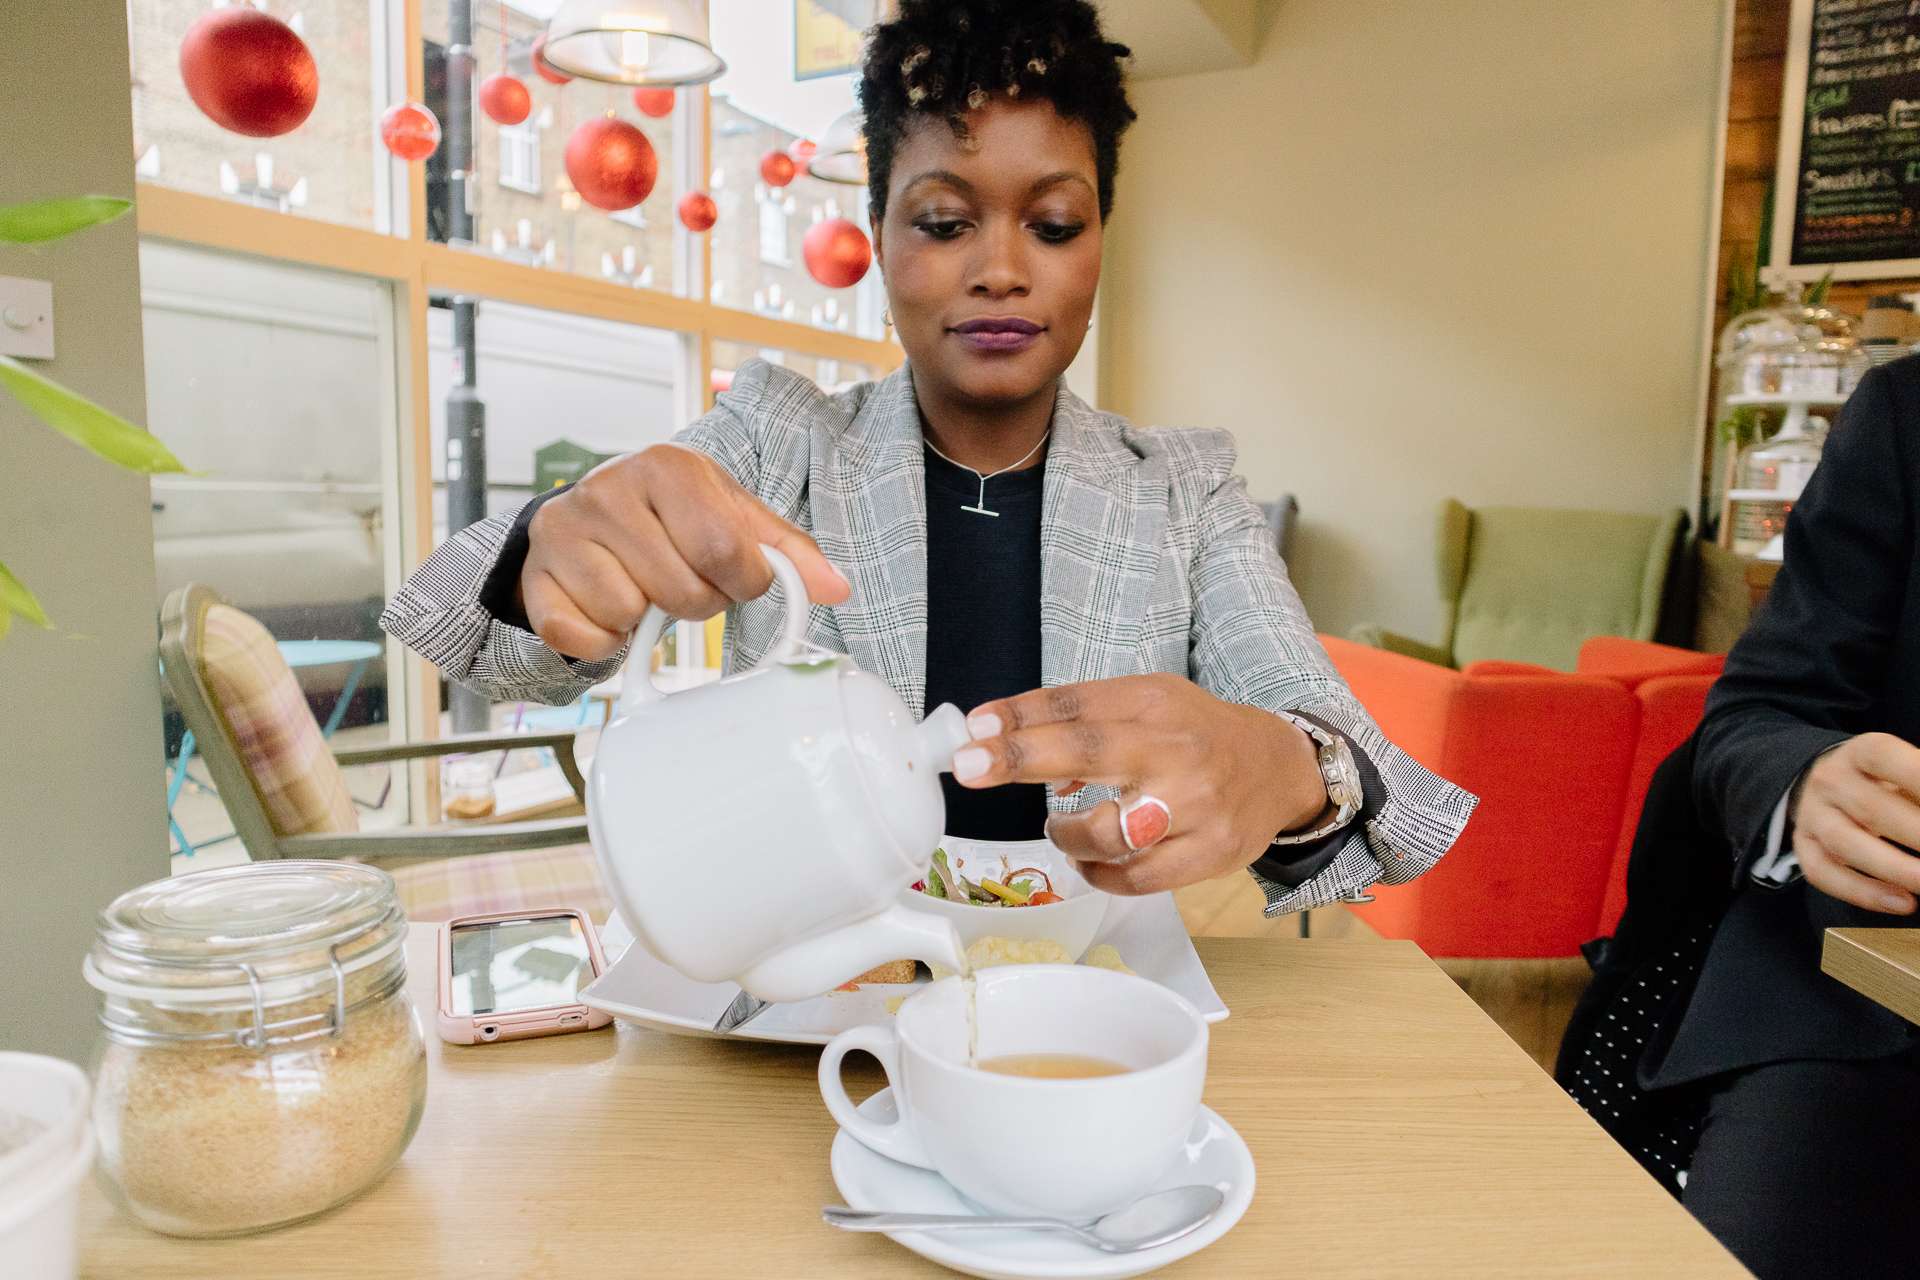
[[542, 66], [409, 130], [505, 99], [657, 103], [249, 72], [698, 212], [611, 164], [777, 168], [836, 252], [802, 151]]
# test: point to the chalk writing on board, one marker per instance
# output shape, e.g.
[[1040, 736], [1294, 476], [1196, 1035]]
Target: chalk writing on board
[[1858, 175]]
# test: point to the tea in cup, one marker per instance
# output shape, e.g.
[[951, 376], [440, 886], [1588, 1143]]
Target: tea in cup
[[1088, 1085]]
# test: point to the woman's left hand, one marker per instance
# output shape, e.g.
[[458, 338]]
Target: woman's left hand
[[1231, 777]]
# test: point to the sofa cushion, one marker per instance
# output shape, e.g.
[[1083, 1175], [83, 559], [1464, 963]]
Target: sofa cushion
[[1540, 582]]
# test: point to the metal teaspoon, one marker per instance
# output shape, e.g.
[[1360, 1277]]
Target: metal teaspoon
[[1151, 1220]]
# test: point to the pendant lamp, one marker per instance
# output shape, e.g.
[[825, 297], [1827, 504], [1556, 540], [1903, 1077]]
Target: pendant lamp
[[842, 156], [648, 42]]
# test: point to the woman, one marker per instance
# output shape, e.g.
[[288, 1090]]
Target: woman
[[1781, 1105], [1106, 600]]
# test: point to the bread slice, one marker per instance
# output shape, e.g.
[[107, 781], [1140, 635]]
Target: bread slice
[[891, 971]]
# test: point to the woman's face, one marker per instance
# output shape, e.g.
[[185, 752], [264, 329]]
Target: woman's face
[[992, 255]]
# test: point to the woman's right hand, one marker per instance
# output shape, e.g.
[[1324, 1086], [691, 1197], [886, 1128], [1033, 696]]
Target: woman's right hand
[[1861, 801], [665, 526]]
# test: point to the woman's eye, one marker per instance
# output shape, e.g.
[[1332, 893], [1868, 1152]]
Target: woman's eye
[[941, 228], [1057, 232]]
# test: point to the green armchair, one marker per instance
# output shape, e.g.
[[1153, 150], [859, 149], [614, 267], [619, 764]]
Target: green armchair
[[1531, 584]]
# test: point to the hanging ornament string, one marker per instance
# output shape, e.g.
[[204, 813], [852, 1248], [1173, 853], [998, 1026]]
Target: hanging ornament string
[[980, 507]]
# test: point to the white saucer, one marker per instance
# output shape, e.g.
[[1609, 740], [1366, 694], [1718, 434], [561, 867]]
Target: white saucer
[[1214, 1155], [1147, 932]]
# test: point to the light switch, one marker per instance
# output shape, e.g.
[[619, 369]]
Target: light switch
[[26, 318]]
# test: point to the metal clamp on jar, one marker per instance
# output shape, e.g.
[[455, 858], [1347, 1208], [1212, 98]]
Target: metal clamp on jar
[[260, 1062]]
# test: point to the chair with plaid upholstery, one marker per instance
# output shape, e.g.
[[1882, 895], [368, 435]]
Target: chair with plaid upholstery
[[283, 787]]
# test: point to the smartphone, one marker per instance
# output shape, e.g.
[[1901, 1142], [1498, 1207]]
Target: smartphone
[[518, 974]]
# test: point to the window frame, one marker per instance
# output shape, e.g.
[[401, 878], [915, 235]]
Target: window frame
[[412, 267]]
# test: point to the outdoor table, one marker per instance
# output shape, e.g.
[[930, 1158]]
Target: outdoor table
[[1396, 1131], [325, 653], [1881, 964]]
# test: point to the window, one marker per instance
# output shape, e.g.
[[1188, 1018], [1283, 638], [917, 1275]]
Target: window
[[774, 208], [520, 156], [331, 167]]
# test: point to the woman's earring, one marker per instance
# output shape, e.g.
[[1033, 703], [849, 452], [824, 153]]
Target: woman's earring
[[886, 317]]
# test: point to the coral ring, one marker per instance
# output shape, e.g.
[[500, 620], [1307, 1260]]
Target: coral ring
[[1144, 822]]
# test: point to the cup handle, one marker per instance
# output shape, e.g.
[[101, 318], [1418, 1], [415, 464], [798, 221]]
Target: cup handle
[[896, 1140], [636, 677]]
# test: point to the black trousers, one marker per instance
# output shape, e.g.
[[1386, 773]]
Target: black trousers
[[1811, 1170]]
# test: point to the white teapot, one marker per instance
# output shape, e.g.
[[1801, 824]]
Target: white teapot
[[759, 829]]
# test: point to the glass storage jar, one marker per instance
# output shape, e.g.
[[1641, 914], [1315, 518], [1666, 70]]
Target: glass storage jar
[[260, 1061]]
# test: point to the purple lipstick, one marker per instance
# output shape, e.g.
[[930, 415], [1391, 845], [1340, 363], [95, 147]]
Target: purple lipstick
[[998, 333]]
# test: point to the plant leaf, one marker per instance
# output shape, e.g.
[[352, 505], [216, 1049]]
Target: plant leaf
[[45, 220], [86, 423], [15, 598]]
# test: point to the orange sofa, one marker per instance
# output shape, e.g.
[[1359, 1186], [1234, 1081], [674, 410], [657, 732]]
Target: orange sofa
[[1560, 762]]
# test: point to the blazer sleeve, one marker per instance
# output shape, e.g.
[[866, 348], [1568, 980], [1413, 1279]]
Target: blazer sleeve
[[1809, 669], [441, 612], [1252, 643]]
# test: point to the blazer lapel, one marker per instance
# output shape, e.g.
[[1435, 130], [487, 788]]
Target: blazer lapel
[[868, 498], [1103, 523]]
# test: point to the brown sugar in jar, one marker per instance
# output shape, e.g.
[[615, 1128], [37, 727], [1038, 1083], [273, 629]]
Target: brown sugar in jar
[[261, 1062]]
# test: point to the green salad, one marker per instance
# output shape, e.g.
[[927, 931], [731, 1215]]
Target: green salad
[[1026, 887]]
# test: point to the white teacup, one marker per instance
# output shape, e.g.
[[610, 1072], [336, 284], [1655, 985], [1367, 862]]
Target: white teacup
[[1066, 1148]]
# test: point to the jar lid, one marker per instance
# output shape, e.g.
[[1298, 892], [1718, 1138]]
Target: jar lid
[[284, 924]]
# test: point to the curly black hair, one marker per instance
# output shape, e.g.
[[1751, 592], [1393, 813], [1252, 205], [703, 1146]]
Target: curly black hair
[[944, 57]]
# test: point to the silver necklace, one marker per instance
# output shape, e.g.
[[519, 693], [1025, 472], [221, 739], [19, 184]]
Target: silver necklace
[[980, 506]]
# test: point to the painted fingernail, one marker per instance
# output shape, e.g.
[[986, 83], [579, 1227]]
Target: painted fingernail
[[983, 724], [970, 763]]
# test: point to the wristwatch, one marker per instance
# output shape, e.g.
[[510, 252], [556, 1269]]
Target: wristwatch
[[1341, 775]]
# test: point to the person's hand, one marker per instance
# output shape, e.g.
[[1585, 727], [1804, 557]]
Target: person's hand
[[1231, 777], [665, 526], [1857, 805]]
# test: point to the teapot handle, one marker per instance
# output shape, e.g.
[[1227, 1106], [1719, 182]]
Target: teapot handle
[[636, 680]]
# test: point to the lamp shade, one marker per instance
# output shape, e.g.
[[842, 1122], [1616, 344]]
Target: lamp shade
[[842, 154], [649, 42]]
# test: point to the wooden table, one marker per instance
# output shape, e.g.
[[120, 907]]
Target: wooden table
[[1881, 964], [1397, 1133]]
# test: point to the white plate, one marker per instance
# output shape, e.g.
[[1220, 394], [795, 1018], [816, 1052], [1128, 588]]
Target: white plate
[[1214, 1156], [1147, 932]]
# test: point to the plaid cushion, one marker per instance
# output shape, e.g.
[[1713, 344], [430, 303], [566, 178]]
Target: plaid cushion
[[272, 727], [564, 877]]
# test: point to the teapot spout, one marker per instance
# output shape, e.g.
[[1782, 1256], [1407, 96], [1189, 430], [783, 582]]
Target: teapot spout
[[821, 964]]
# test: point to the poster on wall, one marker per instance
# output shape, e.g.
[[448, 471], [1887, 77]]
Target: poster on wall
[[827, 34], [1847, 189]]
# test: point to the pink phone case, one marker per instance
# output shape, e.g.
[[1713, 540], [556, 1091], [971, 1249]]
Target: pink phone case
[[520, 1024]]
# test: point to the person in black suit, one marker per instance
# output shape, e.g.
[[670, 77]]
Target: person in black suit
[[1783, 1106]]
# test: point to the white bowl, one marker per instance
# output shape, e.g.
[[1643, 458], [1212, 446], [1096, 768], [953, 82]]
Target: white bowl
[[40, 1179], [1073, 924]]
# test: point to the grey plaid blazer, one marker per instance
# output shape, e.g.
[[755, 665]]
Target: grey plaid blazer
[[1153, 558]]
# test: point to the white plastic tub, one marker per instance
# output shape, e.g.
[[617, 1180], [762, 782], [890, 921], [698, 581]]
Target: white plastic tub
[[40, 1179]]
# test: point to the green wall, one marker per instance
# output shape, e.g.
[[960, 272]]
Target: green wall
[[82, 802]]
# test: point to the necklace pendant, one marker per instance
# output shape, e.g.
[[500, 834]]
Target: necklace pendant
[[981, 511]]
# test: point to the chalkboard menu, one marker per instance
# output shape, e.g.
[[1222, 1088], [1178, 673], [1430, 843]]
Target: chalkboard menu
[[1849, 187]]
